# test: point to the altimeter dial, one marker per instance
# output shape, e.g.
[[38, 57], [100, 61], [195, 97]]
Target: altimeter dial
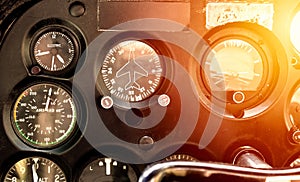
[[35, 169]]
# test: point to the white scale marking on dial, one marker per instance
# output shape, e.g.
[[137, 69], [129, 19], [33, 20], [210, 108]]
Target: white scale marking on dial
[[108, 166]]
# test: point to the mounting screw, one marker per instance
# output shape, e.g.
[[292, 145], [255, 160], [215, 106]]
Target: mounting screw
[[35, 70], [146, 143], [164, 100], [107, 102], [296, 136]]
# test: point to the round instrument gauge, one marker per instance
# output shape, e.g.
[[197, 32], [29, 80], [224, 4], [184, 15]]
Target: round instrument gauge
[[54, 50], [236, 71], [44, 116], [132, 71], [107, 169], [294, 107], [239, 69], [234, 65], [293, 121], [294, 31], [35, 169]]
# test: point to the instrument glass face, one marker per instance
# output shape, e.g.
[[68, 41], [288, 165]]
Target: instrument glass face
[[35, 169], [132, 71], [54, 50], [234, 65], [107, 169], [294, 107], [44, 115]]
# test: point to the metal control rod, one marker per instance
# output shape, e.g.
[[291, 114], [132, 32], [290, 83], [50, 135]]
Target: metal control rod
[[250, 157], [252, 160], [197, 171]]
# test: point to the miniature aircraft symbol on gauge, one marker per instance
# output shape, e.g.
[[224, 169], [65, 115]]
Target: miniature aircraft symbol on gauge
[[133, 70]]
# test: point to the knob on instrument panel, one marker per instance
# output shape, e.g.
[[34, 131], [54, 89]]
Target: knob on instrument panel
[[249, 157]]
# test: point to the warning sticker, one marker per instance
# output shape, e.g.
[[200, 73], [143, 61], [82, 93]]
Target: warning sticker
[[225, 12]]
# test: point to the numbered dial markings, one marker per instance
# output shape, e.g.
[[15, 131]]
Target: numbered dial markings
[[44, 115], [54, 50], [35, 169], [132, 71], [107, 169], [181, 157]]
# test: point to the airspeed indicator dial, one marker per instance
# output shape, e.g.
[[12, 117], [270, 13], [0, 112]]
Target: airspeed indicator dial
[[132, 71], [44, 116]]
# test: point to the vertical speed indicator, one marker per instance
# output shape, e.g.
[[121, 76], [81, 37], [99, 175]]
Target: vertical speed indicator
[[44, 116]]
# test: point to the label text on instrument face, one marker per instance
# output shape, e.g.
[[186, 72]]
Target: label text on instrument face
[[53, 45], [226, 12]]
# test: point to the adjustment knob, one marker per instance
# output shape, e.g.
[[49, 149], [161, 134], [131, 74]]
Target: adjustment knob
[[294, 135]]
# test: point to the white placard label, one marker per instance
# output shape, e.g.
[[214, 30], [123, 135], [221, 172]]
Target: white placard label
[[226, 12]]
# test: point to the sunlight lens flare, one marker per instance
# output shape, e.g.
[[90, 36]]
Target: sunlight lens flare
[[294, 32]]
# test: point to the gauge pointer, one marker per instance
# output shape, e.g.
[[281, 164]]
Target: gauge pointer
[[244, 80], [132, 68], [34, 173], [108, 166], [52, 63], [60, 59], [42, 53], [48, 99]]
